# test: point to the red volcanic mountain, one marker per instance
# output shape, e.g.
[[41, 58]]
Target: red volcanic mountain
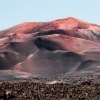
[[55, 47], [70, 26]]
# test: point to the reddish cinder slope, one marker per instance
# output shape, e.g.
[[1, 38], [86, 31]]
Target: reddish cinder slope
[[66, 23], [67, 43], [25, 27], [72, 27]]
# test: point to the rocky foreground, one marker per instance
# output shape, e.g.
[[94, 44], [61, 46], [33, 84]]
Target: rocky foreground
[[51, 89]]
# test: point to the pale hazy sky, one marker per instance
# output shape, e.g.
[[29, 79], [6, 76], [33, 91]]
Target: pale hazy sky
[[13, 12]]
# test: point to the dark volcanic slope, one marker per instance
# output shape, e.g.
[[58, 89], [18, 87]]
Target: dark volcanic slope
[[8, 60], [49, 62], [57, 47]]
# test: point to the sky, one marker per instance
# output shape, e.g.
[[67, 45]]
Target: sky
[[13, 12]]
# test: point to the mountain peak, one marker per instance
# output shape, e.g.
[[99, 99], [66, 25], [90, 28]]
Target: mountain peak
[[71, 23], [73, 18]]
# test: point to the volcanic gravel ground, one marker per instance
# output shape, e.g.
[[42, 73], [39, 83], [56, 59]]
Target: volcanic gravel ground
[[48, 89]]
